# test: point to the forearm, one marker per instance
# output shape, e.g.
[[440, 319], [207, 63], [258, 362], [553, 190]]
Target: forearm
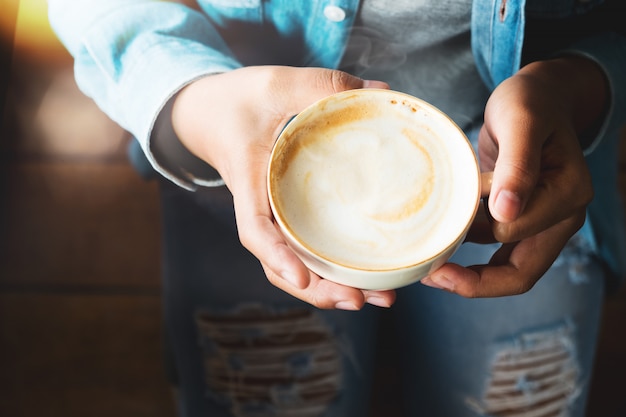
[[131, 56]]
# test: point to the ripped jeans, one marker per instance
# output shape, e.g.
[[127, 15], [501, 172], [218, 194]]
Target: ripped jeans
[[240, 347]]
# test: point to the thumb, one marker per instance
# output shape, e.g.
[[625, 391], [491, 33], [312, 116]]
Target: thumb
[[335, 81], [514, 178], [309, 85], [516, 170]]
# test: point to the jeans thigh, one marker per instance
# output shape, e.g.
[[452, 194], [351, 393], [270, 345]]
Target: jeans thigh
[[237, 345], [523, 355]]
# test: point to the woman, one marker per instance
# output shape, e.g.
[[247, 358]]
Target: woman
[[206, 87]]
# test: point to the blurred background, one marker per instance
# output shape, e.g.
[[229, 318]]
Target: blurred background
[[80, 312]]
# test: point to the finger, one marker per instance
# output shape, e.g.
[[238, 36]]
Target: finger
[[514, 268], [519, 139], [260, 235], [326, 294], [255, 223], [375, 84], [563, 190], [515, 175], [380, 298], [548, 206]]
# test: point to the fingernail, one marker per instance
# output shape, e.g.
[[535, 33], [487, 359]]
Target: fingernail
[[428, 281], [374, 84], [440, 282], [508, 205], [377, 301], [367, 83], [346, 305]]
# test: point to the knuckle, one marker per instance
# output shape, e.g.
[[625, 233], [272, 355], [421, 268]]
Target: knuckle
[[469, 292], [506, 232], [577, 220], [523, 286], [581, 191], [340, 81], [320, 302], [587, 191]]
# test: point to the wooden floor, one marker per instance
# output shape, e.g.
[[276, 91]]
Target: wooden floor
[[80, 313]]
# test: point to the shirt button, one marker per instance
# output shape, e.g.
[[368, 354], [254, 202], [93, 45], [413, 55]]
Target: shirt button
[[334, 13]]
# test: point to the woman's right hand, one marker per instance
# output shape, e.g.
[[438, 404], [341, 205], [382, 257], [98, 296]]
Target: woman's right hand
[[231, 120]]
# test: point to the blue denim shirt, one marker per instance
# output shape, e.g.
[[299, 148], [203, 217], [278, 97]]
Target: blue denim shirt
[[131, 56]]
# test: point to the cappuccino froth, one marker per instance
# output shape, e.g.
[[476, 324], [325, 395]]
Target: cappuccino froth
[[377, 185]]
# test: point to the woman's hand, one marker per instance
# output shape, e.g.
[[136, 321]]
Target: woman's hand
[[541, 185], [231, 121]]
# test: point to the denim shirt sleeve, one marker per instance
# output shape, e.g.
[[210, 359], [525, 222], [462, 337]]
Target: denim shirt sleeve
[[131, 56], [606, 212]]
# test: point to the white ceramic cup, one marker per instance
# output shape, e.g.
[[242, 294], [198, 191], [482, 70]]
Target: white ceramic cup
[[373, 188]]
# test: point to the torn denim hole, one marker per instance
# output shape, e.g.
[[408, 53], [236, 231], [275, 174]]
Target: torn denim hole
[[261, 362], [576, 255], [534, 375]]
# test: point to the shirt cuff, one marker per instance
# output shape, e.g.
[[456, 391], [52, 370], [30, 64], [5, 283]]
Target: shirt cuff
[[608, 51], [174, 160]]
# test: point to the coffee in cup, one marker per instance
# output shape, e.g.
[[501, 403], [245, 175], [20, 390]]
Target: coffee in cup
[[373, 188]]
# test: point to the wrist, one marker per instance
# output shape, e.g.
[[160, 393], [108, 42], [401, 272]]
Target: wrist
[[174, 156]]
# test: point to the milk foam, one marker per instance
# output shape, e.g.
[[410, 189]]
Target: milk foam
[[378, 192]]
